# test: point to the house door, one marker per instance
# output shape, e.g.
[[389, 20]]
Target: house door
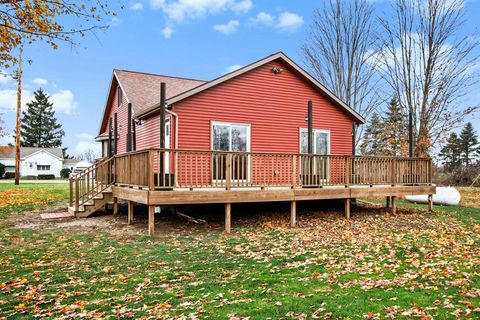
[[167, 144], [318, 166], [230, 137]]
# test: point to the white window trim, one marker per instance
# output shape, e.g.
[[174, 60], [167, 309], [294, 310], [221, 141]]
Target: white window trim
[[224, 123], [314, 138], [314, 144], [249, 130]]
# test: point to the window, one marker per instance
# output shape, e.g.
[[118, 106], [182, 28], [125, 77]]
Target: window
[[321, 141], [43, 168], [230, 137], [316, 169], [120, 96]]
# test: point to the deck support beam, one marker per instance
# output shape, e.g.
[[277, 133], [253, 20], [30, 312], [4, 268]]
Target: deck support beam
[[394, 204], [130, 212], [347, 208], [151, 220], [228, 217], [115, 205], [293, 214], [430, 202]]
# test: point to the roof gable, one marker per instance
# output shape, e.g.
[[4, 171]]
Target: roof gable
[[26, 152], [278, 56], [142, 89]]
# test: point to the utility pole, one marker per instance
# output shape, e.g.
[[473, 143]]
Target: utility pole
[[19, 108]]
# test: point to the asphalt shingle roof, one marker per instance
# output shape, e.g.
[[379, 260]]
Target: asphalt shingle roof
[[8, 152], [143, 89]]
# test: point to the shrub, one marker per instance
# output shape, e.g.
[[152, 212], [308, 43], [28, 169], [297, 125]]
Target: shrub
[[65, 173], [10, 175], [2, 169], [463, 176], [46, 177]]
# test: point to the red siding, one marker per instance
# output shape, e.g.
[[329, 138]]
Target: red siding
[[274, 104], [122, 116]]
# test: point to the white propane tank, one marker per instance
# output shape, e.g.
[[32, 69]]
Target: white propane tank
[[448, 196]]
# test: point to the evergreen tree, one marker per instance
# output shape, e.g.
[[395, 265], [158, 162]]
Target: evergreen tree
[[469, 144], [451, 153], [394, 130], [372, 143], [39, 127]]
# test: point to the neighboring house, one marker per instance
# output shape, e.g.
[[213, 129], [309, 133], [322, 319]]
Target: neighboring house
[[260, 107], [76, 165], [33, 161]]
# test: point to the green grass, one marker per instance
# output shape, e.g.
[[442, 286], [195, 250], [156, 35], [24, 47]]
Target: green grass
[[376, 266], [30, 196]]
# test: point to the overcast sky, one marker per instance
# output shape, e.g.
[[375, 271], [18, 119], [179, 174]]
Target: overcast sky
[[200, 39]]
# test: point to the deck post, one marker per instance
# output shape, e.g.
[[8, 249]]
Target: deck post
[[151, 220], [228, 217], [130, 212], [109, 147], [228, 169], [293, 214], [151, 173], [77, 200], [394, 204], [129, 127], [115, 133], [70, 194], [115, 205], [294, 171], [134, 136], [430, 202], [347, 208], [388, 202]]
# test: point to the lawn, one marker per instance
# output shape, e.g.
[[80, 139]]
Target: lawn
[[414, 264]]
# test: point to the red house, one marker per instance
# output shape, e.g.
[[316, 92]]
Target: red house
[[261, 107], [243, 135]]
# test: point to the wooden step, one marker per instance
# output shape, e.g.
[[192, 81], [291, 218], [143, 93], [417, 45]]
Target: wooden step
[[91, 206]]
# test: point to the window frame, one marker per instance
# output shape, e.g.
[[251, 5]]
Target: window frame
[[249, 137], [46, 166], [119, 96], [328, 132]]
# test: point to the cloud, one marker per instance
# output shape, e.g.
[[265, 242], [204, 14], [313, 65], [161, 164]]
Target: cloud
[[288, 21], [263, 18], [8, 99], [232, 68], [84, 135], [84, 146], [5, 79], [167, 32], [242, 6], [180, 10], [136, 6], [40, 81], [227, 28], [115, 21], [64, 101]]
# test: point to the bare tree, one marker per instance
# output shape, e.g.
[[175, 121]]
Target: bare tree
[[339, 50], [428, 66], [89, 155]]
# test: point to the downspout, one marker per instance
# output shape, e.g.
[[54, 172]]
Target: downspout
[[175, 115]]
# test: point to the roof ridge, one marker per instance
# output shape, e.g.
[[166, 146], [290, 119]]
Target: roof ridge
[[159, 75]]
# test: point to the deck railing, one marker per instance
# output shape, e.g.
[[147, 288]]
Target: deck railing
[[91, 182], [189, 169]]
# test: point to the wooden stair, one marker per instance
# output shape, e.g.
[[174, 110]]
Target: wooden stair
[[90, 190], [92, 205]]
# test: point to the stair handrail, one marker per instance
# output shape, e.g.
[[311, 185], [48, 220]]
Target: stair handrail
[[91, 182]]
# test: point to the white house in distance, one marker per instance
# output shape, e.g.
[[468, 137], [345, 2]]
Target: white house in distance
[[39, 161]]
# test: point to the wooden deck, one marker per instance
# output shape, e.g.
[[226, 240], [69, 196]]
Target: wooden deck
[[157, 177]]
